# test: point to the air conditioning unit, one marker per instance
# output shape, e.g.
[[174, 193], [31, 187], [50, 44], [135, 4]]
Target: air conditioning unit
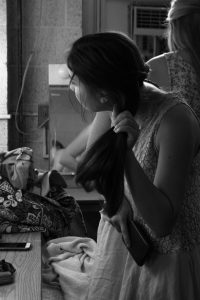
[[147, 26], [147, 20]]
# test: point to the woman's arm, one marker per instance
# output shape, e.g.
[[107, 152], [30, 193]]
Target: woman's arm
[[177, 141], [100, 124], [159, 73], [68, 157]]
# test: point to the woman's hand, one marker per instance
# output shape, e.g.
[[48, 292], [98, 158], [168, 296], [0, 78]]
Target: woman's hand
[[125, 122], [119, 220], [55, 159]]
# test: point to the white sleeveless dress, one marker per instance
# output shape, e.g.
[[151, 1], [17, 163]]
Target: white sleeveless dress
[[173, 271]]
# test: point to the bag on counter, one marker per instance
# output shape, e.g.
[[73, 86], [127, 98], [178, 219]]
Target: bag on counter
[[17, 167], [33, 201]]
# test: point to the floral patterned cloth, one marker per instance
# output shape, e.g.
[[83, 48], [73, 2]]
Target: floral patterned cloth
[[22, 211], [183, 79], [33, 201]]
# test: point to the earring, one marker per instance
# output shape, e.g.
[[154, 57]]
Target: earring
[[103, 100]]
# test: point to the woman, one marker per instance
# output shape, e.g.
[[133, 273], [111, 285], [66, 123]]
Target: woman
[[155, 143], [179, 69]]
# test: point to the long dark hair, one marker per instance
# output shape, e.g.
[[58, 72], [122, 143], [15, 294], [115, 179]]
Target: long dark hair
[[110, 62]]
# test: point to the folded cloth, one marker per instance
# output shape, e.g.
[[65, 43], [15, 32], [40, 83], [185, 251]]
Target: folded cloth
[[71, 259]]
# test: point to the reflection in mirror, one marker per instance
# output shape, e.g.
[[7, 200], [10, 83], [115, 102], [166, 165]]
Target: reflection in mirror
[[67, 117]]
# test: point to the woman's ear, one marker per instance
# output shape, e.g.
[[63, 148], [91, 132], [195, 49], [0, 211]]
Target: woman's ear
[[103, 97], [103, 100]]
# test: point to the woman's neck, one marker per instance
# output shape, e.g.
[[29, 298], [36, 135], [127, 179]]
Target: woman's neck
[[150, 97]]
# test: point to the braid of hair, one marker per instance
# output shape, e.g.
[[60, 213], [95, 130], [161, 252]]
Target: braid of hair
[[102, 167]]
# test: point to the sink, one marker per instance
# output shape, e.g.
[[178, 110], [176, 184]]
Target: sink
[[70, 180]]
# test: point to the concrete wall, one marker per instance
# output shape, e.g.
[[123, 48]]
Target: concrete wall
[[3, 78], [48, 27]]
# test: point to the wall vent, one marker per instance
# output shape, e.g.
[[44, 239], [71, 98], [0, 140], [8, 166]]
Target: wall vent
[[148, 20]]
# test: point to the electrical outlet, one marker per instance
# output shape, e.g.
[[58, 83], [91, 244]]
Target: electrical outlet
[[43, 114]]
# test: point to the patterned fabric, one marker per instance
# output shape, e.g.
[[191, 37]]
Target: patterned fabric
[[23, 211], [33, 201], [172, 272], [183, 79]]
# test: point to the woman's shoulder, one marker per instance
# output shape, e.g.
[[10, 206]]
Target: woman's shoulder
[[156, 60], [159, 62], [176, 108], [163, 101], [159, 70], [180, 120]]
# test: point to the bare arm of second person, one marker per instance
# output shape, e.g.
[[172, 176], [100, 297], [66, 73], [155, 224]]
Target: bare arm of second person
[[159, 72]]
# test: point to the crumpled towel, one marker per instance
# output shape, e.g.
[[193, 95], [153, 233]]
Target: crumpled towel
[[72, 259]]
